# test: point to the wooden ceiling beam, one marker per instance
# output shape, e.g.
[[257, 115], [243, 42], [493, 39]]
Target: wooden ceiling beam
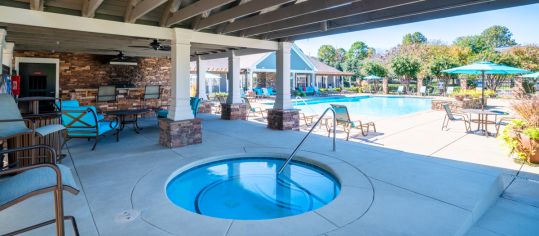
[[142, 8], [36, 5], [195, 9], [171, 7], [89, 7]]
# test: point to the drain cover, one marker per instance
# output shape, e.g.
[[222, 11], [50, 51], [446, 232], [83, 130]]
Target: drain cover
[[126, 216]]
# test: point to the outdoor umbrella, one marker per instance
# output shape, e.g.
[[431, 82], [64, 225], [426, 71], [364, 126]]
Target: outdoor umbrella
[[533, 76], [483, 68], [373, 78]]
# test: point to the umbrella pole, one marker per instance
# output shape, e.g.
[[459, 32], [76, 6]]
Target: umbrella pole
[[483, 90]]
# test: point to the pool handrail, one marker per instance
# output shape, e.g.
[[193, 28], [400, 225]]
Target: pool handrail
[[304, 103], [307, 135]]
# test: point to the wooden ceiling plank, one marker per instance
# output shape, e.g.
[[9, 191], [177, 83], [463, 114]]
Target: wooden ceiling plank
[[195, 9], [238, 11], [171, 7]]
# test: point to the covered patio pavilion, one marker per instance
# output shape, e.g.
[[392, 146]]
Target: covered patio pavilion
[[385, 189]]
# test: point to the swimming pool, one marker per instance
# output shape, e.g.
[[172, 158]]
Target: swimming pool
[[250, 189], [375, 106]]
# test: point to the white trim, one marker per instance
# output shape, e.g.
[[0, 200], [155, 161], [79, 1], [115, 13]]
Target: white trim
[[44, 61]]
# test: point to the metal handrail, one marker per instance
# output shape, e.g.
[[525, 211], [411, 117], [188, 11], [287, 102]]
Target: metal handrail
[[304, 103], [307, 135]]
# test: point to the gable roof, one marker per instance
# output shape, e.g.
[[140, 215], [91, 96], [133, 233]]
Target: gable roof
[[324, 69]]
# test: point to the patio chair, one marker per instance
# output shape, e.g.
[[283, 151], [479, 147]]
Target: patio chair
[[194, 102], [343, 118], [84, 122], [254, 110], [455, 116], [19, 184], [151, 92], [75, 103], [106, 93], [12, 124], [308, 119]]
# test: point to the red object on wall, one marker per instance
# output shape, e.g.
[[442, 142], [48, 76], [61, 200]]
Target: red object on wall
[[16, 85]]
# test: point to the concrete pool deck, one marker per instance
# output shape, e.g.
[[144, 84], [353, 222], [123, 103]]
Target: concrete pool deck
[[425, 182]]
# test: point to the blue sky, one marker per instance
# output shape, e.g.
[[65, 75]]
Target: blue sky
[[522, 21]]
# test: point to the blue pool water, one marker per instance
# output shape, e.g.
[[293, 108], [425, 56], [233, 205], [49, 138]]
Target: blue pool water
[[375, 106], [249, 189]]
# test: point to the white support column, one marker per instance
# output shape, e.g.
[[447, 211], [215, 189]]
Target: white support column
[[282, 102], [334, 81], [233, 79], [7, 57], [249, 80], [180, 108], [2, 44], [201, 78]]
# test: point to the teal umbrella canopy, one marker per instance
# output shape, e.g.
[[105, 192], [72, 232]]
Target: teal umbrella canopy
[[487, 68], [372, 77], [533, 76]]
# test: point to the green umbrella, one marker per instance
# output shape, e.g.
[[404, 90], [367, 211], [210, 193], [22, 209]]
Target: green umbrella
[[483, 68]]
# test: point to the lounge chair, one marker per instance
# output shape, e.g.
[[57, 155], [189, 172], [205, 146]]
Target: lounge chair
[[19, 184], [449, 91], [194, 102], [254, 109], [343, 119], [12, 124], [266, 92], [455, 116], [308, 119], [84, 122], [400, 90], [423, 91]]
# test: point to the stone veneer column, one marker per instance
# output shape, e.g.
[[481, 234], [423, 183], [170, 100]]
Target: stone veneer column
[[283, 116], [233, 109], [201, 77], [180, 128]]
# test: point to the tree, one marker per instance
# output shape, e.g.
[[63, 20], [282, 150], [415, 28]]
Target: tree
[[498, 36], [406, 67], [355, 56], [340, 57], [326, 54], [415, 38], [440, 63], [374, 68], [475, 43]]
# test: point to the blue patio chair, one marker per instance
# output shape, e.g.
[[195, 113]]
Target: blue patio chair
[[455, 116], [19, 184], [272, 91], [75, 103], [83, 122], [342, 118], [310, 90], [194, 102], [258, 92], [12, 124]]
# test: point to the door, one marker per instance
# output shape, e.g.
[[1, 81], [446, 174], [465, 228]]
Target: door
[[38, 79]]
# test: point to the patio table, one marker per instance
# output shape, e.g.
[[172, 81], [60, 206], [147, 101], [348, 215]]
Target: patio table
[[482, 119], [34, 102], [129, 117]]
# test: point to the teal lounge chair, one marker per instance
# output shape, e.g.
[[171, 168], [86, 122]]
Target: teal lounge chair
[[455, 116], [19, 184], [194, 102], [343, 119], [75, 103], [84, 122], [254, 110]]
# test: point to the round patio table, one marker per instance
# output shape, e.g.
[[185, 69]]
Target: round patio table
[[129, 117], [482, 119]]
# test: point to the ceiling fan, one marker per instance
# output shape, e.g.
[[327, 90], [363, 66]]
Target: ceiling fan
[[155, 45], [122, 59]]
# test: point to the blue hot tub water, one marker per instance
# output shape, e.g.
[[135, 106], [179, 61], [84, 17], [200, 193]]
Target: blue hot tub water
[[249, 189]]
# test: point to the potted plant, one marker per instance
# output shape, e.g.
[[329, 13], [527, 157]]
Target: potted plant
[[521, 136]]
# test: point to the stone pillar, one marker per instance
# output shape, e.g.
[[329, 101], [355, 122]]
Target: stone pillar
[[201, 78], [283, 116], [385, 88], [233, 109], [180, 128], [3, 33], [463, 83], [419, 85]]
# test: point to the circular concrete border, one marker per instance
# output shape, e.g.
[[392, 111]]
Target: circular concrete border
[[356, 196]]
